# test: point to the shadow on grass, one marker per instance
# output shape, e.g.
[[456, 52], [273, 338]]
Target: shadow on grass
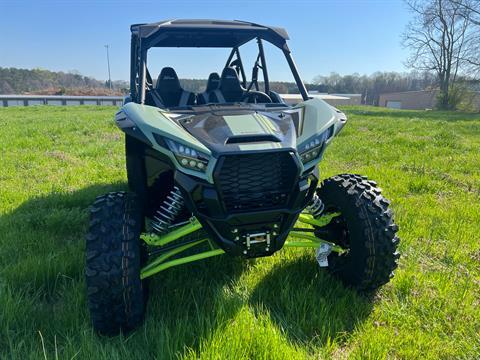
[[308, 304], [43, 239], [42, 265]]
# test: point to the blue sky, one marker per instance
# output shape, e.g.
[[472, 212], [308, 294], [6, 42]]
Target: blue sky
[[343, 36]]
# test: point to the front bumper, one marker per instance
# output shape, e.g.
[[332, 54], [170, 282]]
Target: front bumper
[[251, 233]]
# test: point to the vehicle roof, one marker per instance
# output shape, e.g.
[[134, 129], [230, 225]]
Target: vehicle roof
[[206, 33]]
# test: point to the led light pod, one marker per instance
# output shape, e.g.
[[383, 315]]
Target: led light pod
[[188, 157]]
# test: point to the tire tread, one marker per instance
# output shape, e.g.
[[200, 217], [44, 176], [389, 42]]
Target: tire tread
[[380, 241], [112, 272]]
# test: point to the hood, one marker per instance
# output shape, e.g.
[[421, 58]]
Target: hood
[[232, 131]]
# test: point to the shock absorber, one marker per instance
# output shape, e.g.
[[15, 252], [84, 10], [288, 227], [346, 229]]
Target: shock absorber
[[315, 207], [168, 211]]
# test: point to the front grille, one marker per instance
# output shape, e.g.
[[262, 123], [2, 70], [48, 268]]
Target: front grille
[[256, 181]]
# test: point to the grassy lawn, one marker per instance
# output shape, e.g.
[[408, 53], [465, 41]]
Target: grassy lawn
[[54, 161]]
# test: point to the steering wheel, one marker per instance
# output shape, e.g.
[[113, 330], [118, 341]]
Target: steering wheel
[[256, 97]]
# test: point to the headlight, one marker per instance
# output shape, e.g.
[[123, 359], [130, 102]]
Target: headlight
[[188, 157], [311, 150]]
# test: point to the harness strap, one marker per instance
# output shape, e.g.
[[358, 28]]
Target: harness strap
[[219, 96], [156, 98], [184, 98], [206, 97]]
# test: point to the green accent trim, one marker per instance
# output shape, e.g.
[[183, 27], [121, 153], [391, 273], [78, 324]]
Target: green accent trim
[[150, 268], [160, 240], [149, 271], [310, 244], [315, 242], [307, 219], [161, 262], [318, 222]]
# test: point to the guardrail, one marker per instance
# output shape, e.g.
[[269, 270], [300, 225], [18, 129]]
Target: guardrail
[[30, 100]]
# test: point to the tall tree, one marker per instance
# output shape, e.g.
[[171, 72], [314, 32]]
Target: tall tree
[[444, 39], [471, 9]]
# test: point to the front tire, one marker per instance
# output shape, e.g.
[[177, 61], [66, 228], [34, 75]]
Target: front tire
[[116, 295], [368, 228]]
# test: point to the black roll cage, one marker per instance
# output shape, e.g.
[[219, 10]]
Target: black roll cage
[[262, 65], [139, 73]]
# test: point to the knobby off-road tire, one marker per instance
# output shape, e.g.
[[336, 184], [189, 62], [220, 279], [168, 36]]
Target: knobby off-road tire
[[116, 295], [370, 234]]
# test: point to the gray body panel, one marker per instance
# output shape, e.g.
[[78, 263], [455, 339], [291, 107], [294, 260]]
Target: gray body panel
[[234, 131], [211, 132]]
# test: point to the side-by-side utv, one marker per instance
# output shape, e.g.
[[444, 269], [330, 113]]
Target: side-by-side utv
[[231, 170]]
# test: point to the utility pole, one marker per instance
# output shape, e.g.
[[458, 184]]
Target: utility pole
[[108, 63]]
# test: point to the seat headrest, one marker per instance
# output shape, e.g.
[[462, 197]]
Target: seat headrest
[[229, 80], [213, 82], [168, 79]]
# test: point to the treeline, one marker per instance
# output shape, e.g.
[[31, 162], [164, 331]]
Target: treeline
[[21, 81], [371, 86]]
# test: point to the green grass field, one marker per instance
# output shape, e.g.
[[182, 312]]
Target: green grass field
[[54, 161]]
